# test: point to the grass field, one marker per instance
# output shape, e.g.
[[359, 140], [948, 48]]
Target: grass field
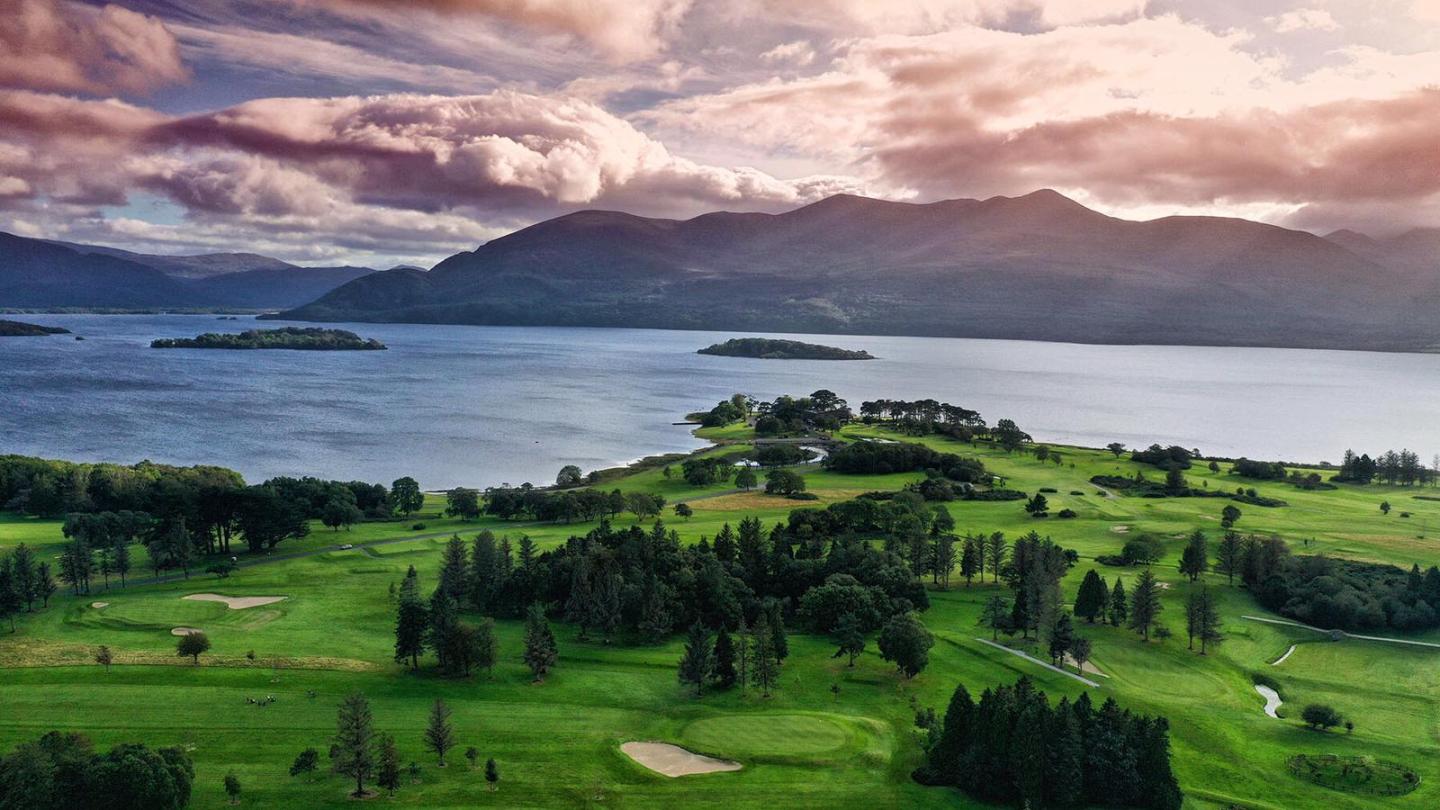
[[809, 745]]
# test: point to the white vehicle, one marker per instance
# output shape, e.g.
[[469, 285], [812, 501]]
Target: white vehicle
[[347, 547]]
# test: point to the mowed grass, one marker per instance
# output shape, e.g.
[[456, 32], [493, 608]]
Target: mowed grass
[[810, 745]]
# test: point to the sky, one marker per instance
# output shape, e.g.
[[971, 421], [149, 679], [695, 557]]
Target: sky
[[378, 133]]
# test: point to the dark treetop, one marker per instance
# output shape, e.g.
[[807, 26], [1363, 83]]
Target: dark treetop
[[289, 337], [768, 349], [20, 329]]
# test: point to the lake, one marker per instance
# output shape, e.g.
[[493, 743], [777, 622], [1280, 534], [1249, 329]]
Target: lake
[[478, 406]]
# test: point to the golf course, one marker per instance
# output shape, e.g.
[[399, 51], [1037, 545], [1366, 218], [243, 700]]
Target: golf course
[[296, 628]]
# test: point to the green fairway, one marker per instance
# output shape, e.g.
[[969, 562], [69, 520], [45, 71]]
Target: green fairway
[[830, 735]]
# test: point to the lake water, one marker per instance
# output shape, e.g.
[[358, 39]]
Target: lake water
[[478, 406]]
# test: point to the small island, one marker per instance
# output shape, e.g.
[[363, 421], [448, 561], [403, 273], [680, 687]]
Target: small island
[[22, 329], [769, 349], [289, 337]]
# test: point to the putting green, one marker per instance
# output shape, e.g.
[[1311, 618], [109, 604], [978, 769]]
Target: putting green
[[767, 734]]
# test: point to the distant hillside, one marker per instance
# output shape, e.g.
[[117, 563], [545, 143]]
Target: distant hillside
[[23, 329], [1039, 266], [40, 274]]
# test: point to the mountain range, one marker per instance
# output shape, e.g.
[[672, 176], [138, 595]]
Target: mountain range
[[42, 274], [1040, 266]]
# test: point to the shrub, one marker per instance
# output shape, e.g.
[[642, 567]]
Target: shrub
[[419, 527], [1066, 513]]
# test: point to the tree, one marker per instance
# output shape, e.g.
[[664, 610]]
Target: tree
[[406, 496], [905, 641], [683, 510], [1320, 716], [1384, 507], [725, 674], [745, 479], [1195, 559], [1202, 619], [1062, 637], [305, 762], [354, 741], [996, 549], [462, 503], [764, 666], [486, 645], [569, 476], [1116, 448], [232, 787], [341, 511], [439, 734], [472, 754], [411, 622], [1092, 598], [45, 582], [1037, 506], [492, 774], [1119, 604], [969, 560], [1228, 556], [193, 643], [849, 638], [1229, 515], [784, 482], [1080, 649], [698, 661], [1145, 607], [104, 658], [995, 615], [540, 649], [388, 773]]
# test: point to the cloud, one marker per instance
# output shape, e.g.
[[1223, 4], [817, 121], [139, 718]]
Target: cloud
[[1151, 112], [410, 169], [798, 52], [1303, 19], [621, 29], [50, 45]]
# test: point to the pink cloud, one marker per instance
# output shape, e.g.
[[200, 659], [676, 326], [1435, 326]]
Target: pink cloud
[[50, 45]]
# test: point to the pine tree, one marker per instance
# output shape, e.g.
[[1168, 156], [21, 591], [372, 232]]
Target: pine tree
[[1207, 620], [411, 622], [849, 638], [1157, 787], [725, 674], [775, 618], [764, 665], [995, 615], [1061, 637], [23, 574], [1092, 598], [969, 562], [1145, 607], [742, 655], [354, 741], [655, 620], [492, 774], [388, 775], [698, 661], [443, 621], [1065, 780], [540, 649], [580, 605], [487, 646], [1119, 604], [1109, 758], [1195, 559], [484, 586], [995, 545], [725, 544], [1029, 755], [10, 599], [439, 734], [948, 760], [605, 602], [1228, 557]]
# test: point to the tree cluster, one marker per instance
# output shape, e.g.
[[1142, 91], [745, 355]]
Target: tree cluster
[[1013, 747], [64, 770], [1402, 468], [882, 458]]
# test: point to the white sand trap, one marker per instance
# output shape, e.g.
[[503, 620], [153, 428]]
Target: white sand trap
[[235, 602], [1272, 700], [1120, 529], [672, 760], [1282, 658], [184, 631], [98, 605]]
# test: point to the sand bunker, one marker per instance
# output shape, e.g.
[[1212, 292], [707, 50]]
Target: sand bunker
[[235, 602], [98, 605], [184, 631], [1120, 529], [1089, 668], [1282, 658], [1272, 700], [672, 760]]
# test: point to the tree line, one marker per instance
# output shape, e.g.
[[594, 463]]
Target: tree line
[[1013, 747], [1402, 468], [63, 769]]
